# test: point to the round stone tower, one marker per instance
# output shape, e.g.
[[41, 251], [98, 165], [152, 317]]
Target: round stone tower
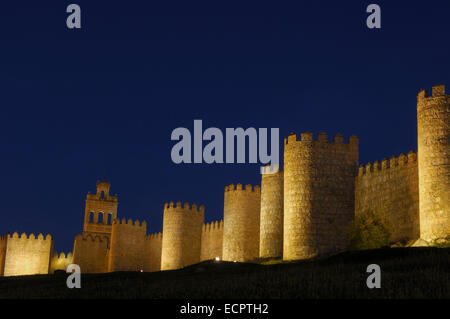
[[241, 223], [319, 194], [299, 240], [271, 228], [433, 126], [182, 234]]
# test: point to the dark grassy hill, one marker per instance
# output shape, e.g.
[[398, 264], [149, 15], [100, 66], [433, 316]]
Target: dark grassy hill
[[406, 273]]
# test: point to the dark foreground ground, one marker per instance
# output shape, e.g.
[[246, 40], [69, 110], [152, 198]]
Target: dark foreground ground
[[406, 273]]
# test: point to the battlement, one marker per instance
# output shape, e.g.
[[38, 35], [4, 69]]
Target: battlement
[[436, 91], [24, 236], [247, 188], [322, 137], [155, 236], [129, 222], [212, 226], [60, 262], [186, 207], [62, 255], [393, 162]]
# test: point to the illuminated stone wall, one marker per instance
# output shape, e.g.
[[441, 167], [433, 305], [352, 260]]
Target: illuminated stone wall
[[392, 188], [319, 190], [60, 262], [182, 234], [27, 255], [241, 222], [90, 252], [271, 228], [299, 213], [126, 252], [152, 252], [212, 240], [433, 125]]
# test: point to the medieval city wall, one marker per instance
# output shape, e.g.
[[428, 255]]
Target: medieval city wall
[[27, 255], [90, 252], [127, 245], [212, 240], [241, 220], [60, 261], [152, 252], [298, 213], [182, 234], [391, 187], [433, 127], [272, 214], [318, 194]]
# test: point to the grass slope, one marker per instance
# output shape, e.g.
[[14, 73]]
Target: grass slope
[[406, 273]]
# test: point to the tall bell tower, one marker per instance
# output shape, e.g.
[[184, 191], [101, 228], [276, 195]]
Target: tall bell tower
[[101, 210]]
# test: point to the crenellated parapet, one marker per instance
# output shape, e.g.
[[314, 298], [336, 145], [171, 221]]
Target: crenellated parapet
[[321, 140], [318, 193], [212, 240], [239, 187], [60, 261], [25, 254], [182, 232], [62, 255], [152, 252], [25, 237], [129, 222], [155, 236], [438, 96], [385, 165], [212, 227], [241, 222], [186, 207]]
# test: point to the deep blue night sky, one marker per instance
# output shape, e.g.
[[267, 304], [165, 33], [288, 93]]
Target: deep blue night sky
[[78, 104]]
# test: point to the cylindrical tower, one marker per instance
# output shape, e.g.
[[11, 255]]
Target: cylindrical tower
[[319, 194], [182, 233], [271, 227], [299, 240], [241, 223], [433, 125]]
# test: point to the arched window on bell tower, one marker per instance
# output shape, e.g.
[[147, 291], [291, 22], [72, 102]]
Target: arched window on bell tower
[[100, 218]]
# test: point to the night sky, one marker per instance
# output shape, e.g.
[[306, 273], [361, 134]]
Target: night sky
[[103, 100]]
